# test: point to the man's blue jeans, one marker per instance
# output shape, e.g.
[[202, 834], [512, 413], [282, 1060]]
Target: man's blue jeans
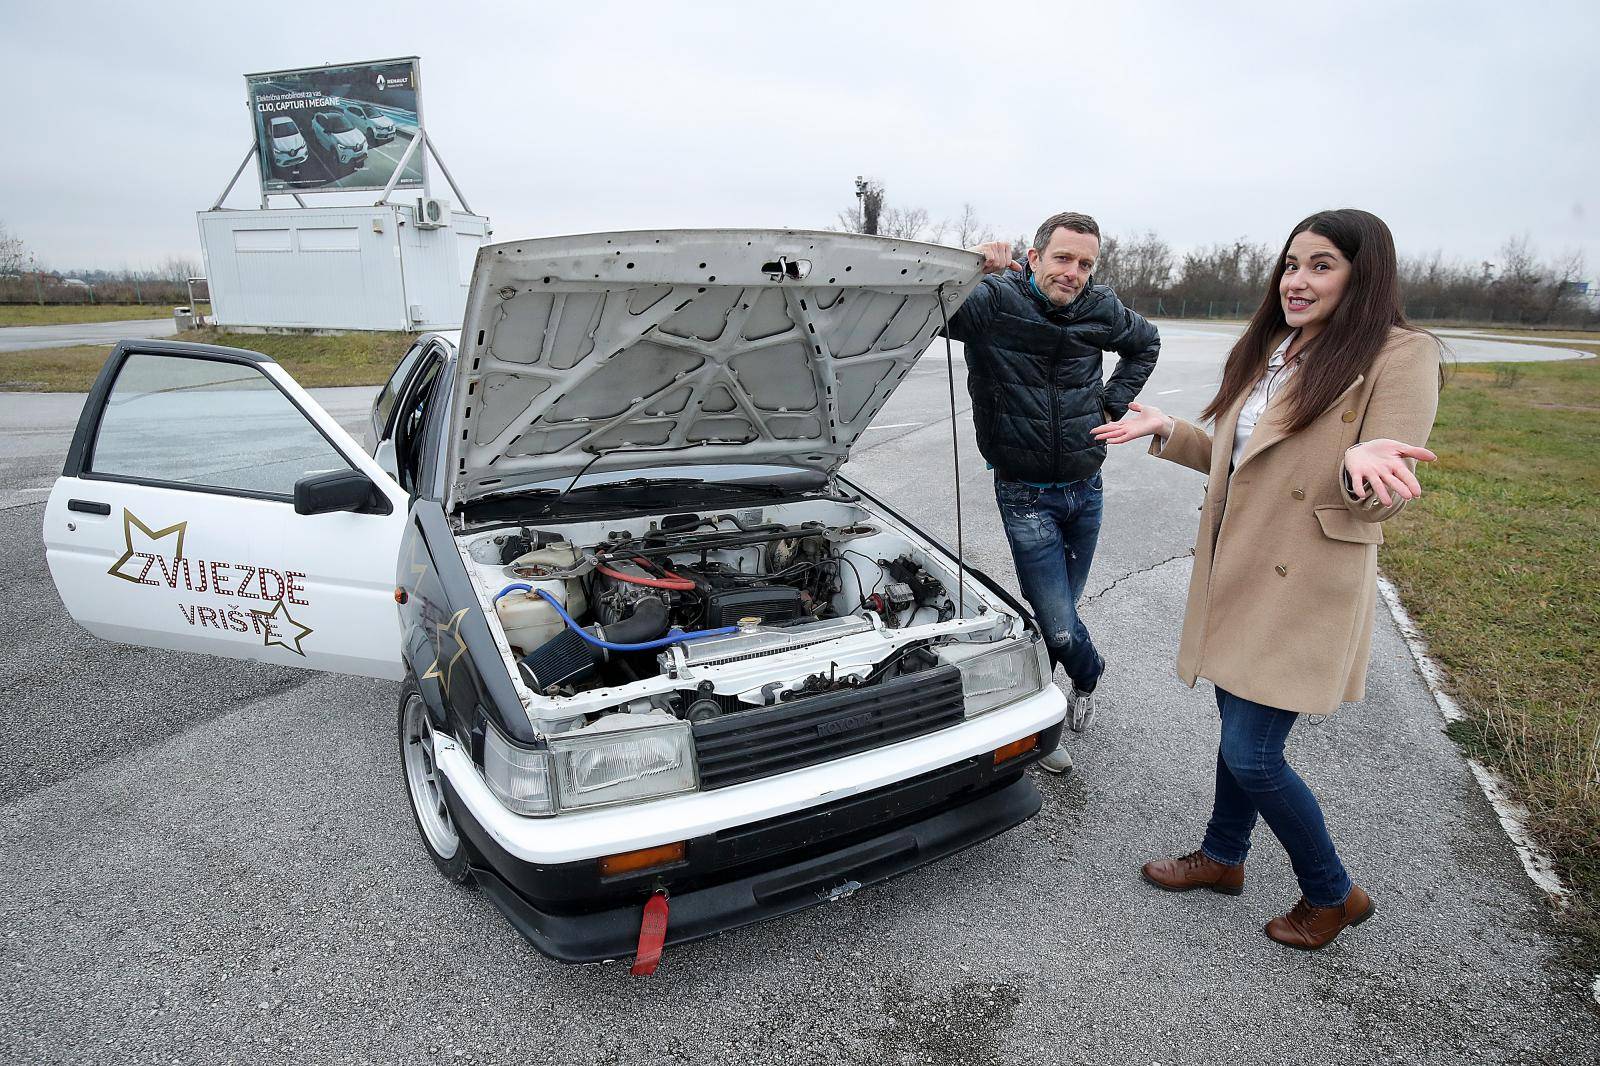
[[1053, 533], [1252, 777]]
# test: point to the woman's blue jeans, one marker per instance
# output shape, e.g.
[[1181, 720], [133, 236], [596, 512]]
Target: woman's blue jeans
[[1053, 532], [1252, 778]]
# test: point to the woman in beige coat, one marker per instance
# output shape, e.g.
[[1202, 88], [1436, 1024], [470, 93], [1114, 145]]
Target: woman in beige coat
[[1323, 407]]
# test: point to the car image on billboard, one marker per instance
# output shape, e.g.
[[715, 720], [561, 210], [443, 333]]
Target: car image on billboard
[[337, 128]]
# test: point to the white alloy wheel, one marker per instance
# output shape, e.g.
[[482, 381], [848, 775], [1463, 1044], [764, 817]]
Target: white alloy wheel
[[425, 785]]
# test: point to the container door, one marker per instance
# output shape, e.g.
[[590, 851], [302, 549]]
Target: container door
[[177, 522]]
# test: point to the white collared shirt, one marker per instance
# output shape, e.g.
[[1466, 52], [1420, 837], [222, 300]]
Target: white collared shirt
[[1268, 385]]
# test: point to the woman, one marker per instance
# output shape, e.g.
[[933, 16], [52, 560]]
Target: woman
[[1323, 406]]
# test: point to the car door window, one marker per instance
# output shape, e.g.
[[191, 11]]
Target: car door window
[[412, 419], [209, 424], [391, 391]]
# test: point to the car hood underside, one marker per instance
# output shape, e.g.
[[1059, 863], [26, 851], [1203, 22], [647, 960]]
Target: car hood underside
[[665, 348]]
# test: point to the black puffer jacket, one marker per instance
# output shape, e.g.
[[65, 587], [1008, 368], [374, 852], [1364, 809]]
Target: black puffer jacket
[[1034, 371]]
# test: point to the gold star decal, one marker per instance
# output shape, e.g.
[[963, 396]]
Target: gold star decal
[[417, 558], [451, 629], [129, 521], [279, 617]]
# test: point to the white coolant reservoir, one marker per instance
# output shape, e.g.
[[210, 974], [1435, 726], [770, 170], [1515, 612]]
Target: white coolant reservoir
[[527, 618]]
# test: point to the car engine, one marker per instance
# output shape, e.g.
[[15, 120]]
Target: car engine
[[737, 589]]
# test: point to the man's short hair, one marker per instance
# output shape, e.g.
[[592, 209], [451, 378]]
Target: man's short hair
[[1071, 220]]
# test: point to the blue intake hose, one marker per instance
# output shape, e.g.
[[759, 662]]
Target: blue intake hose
[[676, 636]]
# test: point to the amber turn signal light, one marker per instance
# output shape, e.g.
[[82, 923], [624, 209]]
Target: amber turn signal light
[[631, 862], [1015, 748]]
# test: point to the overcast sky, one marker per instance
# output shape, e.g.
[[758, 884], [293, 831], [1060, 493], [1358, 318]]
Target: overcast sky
[[1461, 123]]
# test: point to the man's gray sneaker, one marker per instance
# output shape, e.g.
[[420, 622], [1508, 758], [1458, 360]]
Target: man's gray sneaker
[[1058, 761], [1082, 712]]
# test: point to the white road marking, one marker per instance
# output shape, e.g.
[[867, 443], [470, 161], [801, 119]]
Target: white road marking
[[892, 425], [1168, 392], [1513, 816]]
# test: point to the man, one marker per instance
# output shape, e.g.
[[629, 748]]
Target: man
[[1034, 339]]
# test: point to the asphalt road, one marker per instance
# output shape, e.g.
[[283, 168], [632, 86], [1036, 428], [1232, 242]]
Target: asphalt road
[[67, 335], [209, 861]]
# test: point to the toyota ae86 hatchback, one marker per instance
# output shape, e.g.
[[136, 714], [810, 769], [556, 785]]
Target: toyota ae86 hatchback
[[664, 671]]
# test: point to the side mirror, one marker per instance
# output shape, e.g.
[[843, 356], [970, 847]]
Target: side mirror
[[339, 490]]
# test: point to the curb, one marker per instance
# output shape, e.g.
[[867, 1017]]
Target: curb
[[1513, 816]]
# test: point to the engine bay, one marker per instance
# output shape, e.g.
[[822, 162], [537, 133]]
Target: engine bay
[[700, 615]]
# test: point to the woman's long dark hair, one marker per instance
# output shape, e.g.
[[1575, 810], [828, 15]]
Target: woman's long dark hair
[[1368, 310]]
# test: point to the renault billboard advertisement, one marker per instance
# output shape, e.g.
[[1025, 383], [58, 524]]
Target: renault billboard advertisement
[[336, 129]]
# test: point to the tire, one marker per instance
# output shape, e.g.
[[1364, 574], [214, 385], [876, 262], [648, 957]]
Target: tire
[[425, 789]]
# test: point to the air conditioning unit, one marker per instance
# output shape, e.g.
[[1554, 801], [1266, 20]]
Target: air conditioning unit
[[433, 212]]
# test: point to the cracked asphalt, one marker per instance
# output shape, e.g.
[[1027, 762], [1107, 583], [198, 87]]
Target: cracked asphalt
[[209, 862]]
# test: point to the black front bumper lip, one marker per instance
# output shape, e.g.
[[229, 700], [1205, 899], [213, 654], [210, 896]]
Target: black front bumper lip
[[698, 913]]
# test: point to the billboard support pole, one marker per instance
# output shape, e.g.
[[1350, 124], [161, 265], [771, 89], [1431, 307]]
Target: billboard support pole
[[437, 158], [399, 168], [251, 154]]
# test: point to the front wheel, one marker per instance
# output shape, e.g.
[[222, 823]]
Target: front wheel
[[425, 788]]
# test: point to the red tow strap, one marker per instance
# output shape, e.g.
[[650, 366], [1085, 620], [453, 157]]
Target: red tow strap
[[652, 935]]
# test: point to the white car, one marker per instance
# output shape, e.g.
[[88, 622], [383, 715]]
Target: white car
[[377, 126], [664, 672], [287, 144], [344, 144]]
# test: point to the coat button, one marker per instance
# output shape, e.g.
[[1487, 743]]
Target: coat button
[[1283, 571], [1298, 494], [1349, 416]]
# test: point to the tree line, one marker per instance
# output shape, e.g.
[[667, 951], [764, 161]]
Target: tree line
[[1227, 279], [24, 279]]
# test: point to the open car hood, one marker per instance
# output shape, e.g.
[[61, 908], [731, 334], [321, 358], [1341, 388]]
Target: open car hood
[[686, 347]]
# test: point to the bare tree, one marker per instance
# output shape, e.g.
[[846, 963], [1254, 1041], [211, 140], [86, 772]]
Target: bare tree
[[969, 230], [14, 255], [907, 223], [177, 268]]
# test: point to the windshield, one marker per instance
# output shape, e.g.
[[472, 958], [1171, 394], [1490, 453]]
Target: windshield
[[335, 123], [284, 127]]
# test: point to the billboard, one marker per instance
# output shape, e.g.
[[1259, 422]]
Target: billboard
[[336, 129]]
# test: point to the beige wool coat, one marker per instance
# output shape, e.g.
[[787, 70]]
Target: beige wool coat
[[1281, 600]]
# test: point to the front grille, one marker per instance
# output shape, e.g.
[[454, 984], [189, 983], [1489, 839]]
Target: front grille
[[760, 743]]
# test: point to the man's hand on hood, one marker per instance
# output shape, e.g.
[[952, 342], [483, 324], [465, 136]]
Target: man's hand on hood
[[997, 257]]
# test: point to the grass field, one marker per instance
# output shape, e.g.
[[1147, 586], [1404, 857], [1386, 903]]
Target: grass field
[[1497, 563], [66, 314], [347, 359]]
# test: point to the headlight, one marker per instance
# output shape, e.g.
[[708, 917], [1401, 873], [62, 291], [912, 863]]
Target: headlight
[[593, 770], [519, 777], [623, 765], [993, 675]]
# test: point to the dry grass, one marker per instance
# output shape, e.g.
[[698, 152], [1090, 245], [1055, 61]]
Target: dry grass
[[344, 359], [66, 314], [1497, 563]]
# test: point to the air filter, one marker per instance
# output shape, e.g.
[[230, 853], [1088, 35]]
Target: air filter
[[563, 658]]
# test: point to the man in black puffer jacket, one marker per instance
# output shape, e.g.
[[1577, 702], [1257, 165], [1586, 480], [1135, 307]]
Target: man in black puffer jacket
[[1035, 339]]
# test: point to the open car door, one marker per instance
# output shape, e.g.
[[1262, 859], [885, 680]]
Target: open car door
[[209, 504]]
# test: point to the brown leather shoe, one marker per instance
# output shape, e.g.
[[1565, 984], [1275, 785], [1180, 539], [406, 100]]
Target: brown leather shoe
[[1195, 870], [1313, 928]]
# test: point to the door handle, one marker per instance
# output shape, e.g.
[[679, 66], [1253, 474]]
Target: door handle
[[89, 506]]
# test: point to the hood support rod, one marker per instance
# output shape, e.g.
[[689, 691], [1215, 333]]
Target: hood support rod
[[955, 451]]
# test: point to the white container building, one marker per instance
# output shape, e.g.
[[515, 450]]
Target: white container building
[[364, 267]]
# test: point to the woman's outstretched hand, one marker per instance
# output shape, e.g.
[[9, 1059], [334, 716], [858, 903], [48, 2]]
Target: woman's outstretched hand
[[1381, 464], [1140, 421]]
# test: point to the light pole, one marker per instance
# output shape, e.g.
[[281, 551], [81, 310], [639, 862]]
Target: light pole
[[861, 200]]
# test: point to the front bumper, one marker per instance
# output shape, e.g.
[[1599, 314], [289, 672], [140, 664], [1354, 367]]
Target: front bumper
[[748, 873]]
